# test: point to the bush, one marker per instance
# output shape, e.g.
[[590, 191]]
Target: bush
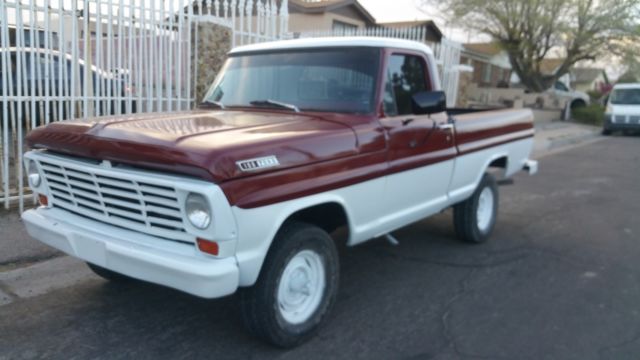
[[590, 115]]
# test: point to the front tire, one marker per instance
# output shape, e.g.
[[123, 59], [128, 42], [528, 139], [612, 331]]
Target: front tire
[[296, 288], [475, 218]]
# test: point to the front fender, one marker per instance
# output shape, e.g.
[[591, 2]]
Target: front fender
[[257, 228]]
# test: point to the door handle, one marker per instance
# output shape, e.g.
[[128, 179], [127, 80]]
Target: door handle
[[445, 126]]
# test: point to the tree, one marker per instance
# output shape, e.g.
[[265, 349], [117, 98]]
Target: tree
[[631, 64], [531, 30]]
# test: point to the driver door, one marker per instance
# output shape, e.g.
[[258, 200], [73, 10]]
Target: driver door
[[420, 147]]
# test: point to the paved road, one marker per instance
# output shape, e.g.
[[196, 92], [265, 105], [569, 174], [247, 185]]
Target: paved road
[[560, 279]]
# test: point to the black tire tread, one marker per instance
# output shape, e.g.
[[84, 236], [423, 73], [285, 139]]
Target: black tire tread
[[256, 315], [464, 213]]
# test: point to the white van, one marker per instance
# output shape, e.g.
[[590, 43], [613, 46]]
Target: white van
[[623, 109]]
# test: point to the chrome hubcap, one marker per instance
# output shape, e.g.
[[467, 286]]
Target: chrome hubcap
[[301, 287], [484, 213]]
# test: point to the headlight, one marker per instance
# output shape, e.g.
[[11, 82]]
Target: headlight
[[34, 174], [198, 211], [609, 109]]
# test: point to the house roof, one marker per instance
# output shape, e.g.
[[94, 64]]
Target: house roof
[[489, 49], [551, 65], [587, 75], [321, 6]]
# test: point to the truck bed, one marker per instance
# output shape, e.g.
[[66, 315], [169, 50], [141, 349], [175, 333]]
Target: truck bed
[[479, 129]]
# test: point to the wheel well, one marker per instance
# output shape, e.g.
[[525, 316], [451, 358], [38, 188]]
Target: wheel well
[[576, 103], [329, 217], [498, 165]]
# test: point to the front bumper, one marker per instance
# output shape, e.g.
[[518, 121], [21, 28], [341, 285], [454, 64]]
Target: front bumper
[[621, 122], [176, 265]]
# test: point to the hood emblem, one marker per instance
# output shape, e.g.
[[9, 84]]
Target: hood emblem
[[258, 163]]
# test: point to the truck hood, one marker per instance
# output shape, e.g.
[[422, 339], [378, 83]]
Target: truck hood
[[203, 143]]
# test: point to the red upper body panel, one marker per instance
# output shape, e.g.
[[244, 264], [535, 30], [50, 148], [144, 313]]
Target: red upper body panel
[[205, 143]]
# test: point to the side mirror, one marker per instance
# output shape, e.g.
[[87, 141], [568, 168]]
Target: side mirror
[[429, 102]]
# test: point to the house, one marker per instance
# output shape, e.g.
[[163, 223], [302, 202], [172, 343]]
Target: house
[[588, 79], [343, 17], [328, 15], [490, 63]]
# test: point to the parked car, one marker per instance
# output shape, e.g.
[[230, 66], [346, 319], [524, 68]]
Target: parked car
[[295, 139], [58, 84], [623, 109], [575, 98]]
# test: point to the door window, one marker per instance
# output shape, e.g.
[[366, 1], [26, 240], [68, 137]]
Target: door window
[[406, 76]]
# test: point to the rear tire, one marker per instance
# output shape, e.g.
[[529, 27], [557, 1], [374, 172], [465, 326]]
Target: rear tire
[[606, 132], [296, 288], [108, 274], [475, 218]]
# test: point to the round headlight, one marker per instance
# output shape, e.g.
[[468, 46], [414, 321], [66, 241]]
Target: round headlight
[[34, 174], [198, 211]]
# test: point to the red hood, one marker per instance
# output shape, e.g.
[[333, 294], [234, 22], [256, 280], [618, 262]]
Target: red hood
[[203, 143]]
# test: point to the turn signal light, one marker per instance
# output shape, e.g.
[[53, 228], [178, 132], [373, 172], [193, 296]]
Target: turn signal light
[[209, 247], [43, 200]]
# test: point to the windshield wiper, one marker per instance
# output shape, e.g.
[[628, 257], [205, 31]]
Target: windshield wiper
[[274, 103], [213, 102]]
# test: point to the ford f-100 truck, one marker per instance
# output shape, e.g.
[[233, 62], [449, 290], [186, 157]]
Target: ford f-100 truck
[[294, 140]]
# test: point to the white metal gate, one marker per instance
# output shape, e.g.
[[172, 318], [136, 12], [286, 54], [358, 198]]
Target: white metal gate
[[447, 53], [64, 59]]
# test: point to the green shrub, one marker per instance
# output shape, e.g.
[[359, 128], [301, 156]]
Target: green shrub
[[590, 115]]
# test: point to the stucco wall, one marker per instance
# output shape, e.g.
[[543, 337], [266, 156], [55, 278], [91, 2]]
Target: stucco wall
[[210, 45], [318, 22]]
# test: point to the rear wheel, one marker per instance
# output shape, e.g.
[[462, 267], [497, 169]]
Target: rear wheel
[[108, 274], [606, 131], [296, 287], [475, 218]]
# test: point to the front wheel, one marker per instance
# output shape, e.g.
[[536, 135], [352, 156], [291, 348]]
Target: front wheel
[[474, 218], [296, 288]]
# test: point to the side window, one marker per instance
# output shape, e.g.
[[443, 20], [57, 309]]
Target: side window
[[406, 76], [560, 86]]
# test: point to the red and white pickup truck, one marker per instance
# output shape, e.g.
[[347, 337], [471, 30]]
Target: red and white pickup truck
[[294, 140]]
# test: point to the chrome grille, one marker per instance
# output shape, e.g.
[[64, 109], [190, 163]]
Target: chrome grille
[[118, 200], [619, 118]]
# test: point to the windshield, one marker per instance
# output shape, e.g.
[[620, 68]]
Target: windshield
[[335, 80], [626, 96]]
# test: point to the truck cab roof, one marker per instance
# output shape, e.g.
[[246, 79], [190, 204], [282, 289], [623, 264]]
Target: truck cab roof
[[347, 41]]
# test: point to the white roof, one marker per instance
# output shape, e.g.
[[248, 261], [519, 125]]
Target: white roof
[[347, 41], [627, 86]]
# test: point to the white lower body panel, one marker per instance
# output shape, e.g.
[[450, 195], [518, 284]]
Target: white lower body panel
[[144, 257], [377, 206]]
